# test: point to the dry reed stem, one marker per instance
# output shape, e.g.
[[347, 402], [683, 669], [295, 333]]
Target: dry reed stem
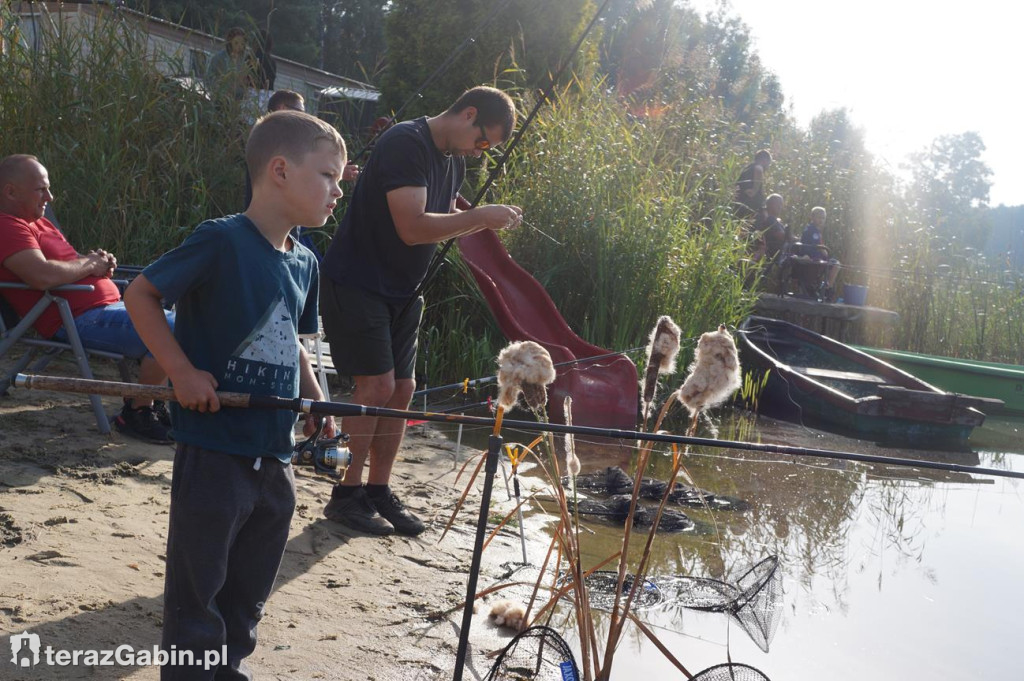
[[661, 646], [540, 578], [439, 614], [559, 592], [615, 624], [465, 493], [504, 521]]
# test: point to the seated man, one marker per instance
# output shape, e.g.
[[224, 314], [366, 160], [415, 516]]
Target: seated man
[[769, 230], [34, 252], [812, 245]]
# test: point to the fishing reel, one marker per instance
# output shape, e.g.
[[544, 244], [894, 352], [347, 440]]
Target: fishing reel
[[327, 456]]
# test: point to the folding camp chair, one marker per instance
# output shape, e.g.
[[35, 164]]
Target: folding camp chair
[[320, 357], [13, 332], [799, 274]]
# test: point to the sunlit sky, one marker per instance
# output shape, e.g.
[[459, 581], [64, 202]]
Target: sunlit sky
[[907, 71]]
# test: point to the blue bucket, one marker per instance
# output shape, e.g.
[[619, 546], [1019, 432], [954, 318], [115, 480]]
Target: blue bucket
[[854, 295]]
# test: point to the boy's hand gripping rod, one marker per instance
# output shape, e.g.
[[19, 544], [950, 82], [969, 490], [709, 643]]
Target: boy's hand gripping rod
[[342, 409]]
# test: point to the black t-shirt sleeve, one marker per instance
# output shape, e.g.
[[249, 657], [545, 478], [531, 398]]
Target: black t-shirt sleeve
[[403, 162]]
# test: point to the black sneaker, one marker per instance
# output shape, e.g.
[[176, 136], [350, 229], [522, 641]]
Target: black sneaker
[[392, 509], [142, 423], [162, 414], [355, 510]]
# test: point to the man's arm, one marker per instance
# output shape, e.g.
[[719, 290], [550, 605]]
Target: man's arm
[[193, 388], [408, 206], [32, 267]]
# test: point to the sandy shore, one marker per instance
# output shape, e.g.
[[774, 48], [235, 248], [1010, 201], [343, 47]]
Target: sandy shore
[[83, 526]]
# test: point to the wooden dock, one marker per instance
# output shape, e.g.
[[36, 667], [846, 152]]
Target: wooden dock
[[856, 324]]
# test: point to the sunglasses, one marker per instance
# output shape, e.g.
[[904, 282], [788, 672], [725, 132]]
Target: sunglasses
[[482, 143]]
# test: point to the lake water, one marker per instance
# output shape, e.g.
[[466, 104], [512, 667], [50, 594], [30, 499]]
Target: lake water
[[888, 572]]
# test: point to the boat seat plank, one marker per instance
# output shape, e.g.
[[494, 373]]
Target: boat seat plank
[[833, 374], [896, 392]]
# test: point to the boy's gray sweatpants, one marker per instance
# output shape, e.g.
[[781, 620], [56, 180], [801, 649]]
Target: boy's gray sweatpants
[[227, 533]]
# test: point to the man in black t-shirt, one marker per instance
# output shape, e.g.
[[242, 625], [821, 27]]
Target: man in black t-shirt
[[750, 186], [403, 205]]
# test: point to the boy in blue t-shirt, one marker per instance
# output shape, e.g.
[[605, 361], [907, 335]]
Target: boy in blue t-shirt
[[243, 289], [813, 246]]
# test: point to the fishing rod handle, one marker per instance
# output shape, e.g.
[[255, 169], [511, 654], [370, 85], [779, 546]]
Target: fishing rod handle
[[115, 389]]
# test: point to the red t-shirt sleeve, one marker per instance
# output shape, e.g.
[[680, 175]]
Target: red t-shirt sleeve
[[15, 236], [18, 235]]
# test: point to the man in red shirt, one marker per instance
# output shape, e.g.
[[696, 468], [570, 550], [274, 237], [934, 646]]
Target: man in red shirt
[[34, 252]]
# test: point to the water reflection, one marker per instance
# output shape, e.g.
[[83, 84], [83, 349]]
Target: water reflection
[[880, 561]]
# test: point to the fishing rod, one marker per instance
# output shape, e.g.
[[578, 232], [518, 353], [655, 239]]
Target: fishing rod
[[345, 409], [489, 379], [546, 95], [449, 60]]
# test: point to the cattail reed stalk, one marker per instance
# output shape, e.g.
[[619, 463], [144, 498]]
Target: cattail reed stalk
[[662, 348]]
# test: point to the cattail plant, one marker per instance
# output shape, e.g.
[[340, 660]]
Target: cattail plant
[[524, 367], [662, 348], [572, 462], [713, 376]]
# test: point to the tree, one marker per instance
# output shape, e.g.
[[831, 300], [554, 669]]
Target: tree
[[950, 187], [355, 40], [829, 166], [524, 42], [660, 52]]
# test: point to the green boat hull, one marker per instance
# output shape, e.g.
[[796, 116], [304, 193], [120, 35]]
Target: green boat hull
[[985, 379]]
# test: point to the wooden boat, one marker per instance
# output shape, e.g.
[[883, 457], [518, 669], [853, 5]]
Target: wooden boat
[[817, 380], [985, 379]]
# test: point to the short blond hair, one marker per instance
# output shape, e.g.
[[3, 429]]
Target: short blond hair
[[291, 134], [817, 210]]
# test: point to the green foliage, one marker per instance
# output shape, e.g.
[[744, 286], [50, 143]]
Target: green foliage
[[662, 52], [1005, 246], [459, 337], [829, 166], [522, 45], [135, 159], [953, 302], [294, 27], [749, 394], [355, 42]]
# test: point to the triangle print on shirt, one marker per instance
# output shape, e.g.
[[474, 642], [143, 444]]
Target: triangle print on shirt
[[267, 360]]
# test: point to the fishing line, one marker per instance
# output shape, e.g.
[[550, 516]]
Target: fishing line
[[490, 379], [541, 232], [789, 386], [895, 274]]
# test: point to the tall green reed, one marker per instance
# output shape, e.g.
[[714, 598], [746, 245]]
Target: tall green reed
[[135, 159], [951, 300]]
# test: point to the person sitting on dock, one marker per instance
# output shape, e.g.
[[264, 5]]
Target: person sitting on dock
[[770, 232], [812, 245]]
